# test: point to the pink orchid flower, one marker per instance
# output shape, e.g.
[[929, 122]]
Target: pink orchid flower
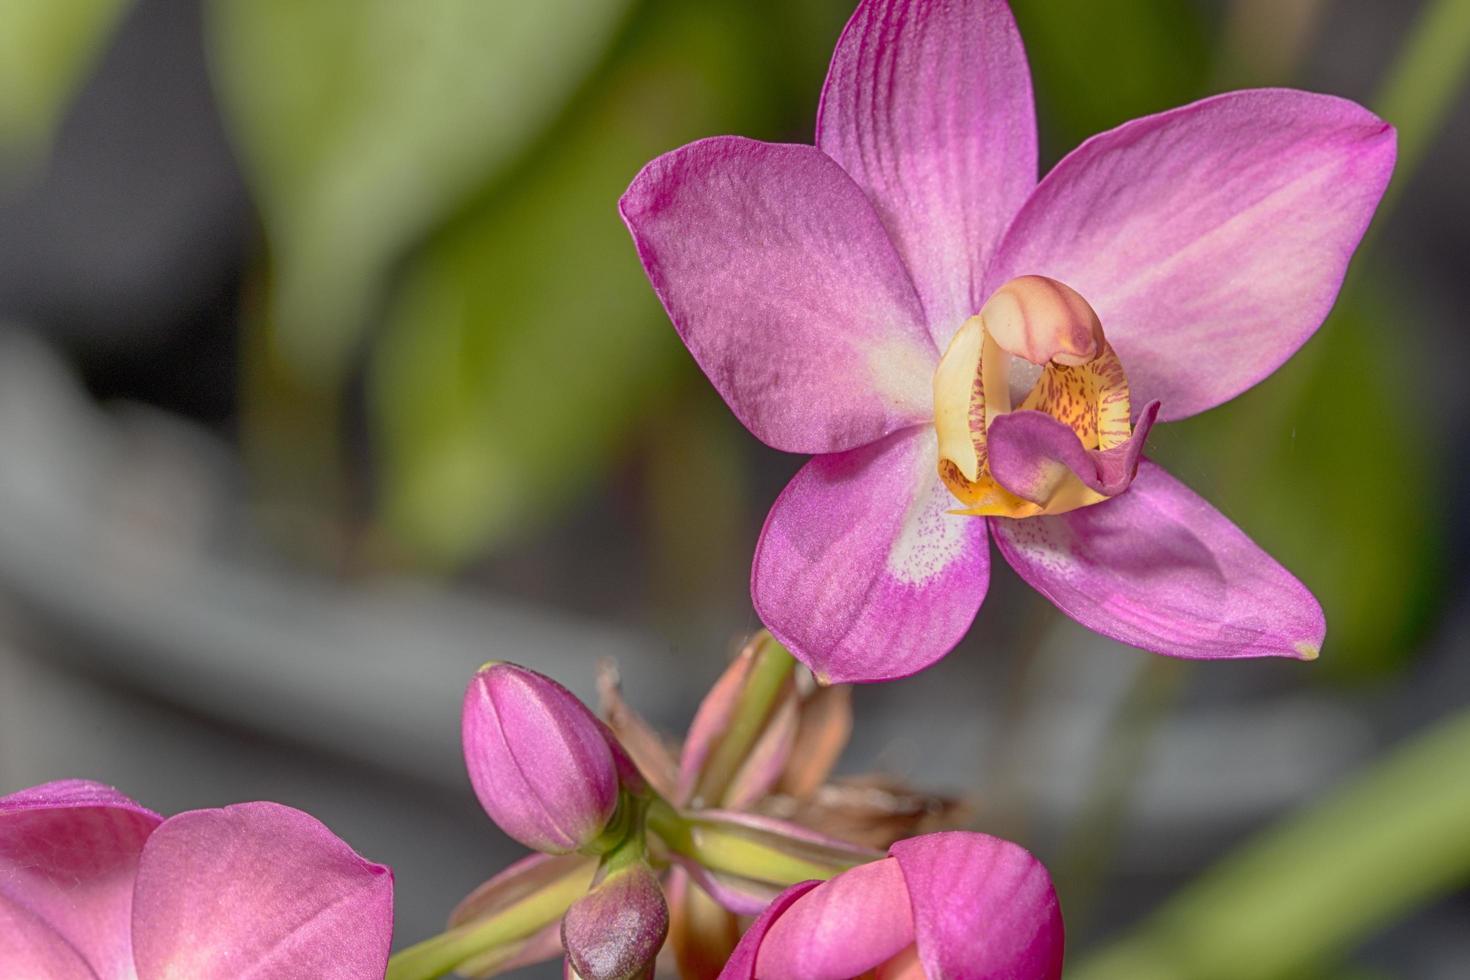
[[969, 352], [95, 887], [947, 906]]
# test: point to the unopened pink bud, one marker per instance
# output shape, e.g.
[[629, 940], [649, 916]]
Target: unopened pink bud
[[540, 762], [615, 931]]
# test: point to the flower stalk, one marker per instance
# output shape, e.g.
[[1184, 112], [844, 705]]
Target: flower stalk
[[442, 954], [755, 855]]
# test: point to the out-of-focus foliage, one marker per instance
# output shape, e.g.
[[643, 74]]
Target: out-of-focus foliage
[[526, 339], [1298, 896], [360, 122], [46, 49], [1427, 79], [1096, 65]]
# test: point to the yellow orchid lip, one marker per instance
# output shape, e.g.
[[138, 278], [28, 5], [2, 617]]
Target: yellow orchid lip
[[1081, 384]]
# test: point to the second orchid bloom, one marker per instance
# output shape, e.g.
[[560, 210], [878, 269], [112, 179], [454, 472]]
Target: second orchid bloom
[[631, 855], [971, 353]]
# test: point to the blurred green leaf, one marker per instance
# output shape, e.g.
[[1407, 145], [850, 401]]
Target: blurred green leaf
[[46, 49], [1428, 75], [1096, 65], [1302, 892], [361, 122], [526, 340], [1327, 466]]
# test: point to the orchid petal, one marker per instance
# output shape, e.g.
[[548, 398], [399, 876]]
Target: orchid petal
[[31, 948], [928, 106], [741, 965], [258, 890], [842, 928], [860, 569], [1041, 459], [785, 288], [1210, 239], [984, 908], [1159, 568], [69, 854]]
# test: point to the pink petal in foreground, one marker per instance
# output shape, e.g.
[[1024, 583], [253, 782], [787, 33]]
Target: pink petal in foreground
[[842, 928], [31, 948], [928, 106], [785, 288], [984, 908], [258, 890], [861, 571], [68, 856], [1159, 568], [1211, 239], [741, 965]]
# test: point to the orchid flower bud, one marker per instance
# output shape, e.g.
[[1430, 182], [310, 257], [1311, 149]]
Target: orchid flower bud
[[942, 905], [615, 931], [541, 763]]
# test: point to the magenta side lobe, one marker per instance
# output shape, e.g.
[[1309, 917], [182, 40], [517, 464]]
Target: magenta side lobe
[[1028, 448]]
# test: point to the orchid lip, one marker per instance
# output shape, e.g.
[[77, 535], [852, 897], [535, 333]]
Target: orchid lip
[[1036, 346]]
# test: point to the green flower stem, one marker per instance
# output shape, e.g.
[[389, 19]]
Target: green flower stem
[[632, 847], [1302, 892], [445, 952], [746, 853], [769, 673]]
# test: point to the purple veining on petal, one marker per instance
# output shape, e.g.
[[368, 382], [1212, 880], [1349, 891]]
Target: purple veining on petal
[[984, 908], [69, 855], [1211, 239], [1159, 568], [928, 106], [785, 288]]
